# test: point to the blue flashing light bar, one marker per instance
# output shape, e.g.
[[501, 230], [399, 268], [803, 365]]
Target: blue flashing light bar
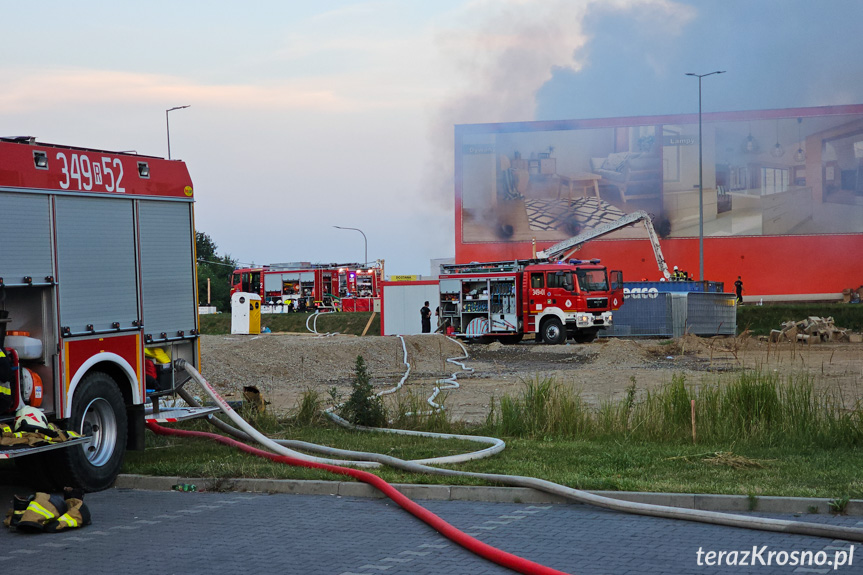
[[577, 262]]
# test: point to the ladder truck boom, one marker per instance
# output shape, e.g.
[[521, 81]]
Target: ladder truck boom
[[564, 250]]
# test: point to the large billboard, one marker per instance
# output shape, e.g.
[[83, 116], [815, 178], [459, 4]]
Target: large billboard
[[782, 194]]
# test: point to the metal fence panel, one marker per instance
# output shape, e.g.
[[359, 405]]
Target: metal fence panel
[[711, 314], [678, 313], [642, 315], [675, 314]]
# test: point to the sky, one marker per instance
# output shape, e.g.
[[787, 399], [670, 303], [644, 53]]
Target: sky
[[308, 115]]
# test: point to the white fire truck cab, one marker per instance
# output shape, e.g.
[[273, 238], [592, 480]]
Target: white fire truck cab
[[97, 275]]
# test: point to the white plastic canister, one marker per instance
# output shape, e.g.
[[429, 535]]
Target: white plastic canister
[[26, 346]]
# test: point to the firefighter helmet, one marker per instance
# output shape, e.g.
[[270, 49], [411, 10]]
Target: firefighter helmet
[[31, 419], [31, 387]]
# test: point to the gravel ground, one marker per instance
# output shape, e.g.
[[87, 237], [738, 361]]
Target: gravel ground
[[283, 366]]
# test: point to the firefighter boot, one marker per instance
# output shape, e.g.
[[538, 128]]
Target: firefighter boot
[[19, 506], [42, 509]]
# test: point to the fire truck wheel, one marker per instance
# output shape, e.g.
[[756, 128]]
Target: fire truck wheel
[[553, 332], [98, 410]]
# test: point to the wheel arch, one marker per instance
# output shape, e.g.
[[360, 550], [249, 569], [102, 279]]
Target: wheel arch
[[112, 365], [547, 314]]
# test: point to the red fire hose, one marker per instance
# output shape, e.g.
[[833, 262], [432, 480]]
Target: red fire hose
[[493, 554]]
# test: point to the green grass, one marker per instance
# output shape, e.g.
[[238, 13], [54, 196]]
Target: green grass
[[761, 319], [758, 435], [349, 323], [755, 408], [608, 464]]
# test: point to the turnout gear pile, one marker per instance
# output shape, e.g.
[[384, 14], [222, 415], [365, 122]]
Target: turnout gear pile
[[22, 437], [48, 513]]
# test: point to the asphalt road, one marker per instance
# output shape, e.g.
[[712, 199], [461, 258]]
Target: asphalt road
[[137, 532]]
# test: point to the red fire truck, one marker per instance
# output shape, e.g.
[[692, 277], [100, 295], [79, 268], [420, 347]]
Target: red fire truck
[[348, 287], [97, 273], [505, 300]]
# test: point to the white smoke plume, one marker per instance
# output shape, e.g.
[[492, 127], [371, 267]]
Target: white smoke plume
[[503, 51]]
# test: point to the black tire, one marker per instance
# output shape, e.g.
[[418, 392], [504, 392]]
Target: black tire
[[553, 332], [97, 410], [585, 336]]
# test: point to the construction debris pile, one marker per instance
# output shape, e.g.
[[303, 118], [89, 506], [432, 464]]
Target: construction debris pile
[[852, 295], [813, 329]]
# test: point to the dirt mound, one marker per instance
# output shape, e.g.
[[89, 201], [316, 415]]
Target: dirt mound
[[283, 366], [621, 352], [275, 362]]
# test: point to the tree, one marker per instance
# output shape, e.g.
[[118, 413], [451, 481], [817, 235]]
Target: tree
[[363, 407], [217, 269]]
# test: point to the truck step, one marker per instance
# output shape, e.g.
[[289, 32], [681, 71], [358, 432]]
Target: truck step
[[175, 414], [12, 453]]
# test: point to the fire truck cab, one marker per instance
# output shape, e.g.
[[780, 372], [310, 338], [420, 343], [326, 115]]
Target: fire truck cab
[[97, 275]]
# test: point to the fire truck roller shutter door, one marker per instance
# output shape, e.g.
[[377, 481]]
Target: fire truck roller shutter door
[[166, 249], [26, 238], [94, 235]]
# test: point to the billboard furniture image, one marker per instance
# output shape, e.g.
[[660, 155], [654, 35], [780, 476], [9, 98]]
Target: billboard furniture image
[[634, 174]]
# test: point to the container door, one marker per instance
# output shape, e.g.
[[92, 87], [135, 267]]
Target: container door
[[96, 267], [167, 269]]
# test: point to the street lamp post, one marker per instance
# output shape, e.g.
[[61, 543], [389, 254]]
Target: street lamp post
[[366, 253], [168, 125], [701, 179]]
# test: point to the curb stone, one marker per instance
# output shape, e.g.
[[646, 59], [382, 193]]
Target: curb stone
[[704, 502]]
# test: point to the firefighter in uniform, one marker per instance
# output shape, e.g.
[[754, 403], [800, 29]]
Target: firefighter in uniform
[[7, 375]]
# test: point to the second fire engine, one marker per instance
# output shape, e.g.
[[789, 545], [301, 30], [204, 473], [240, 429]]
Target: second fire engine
[[506, 300], [348, 287]]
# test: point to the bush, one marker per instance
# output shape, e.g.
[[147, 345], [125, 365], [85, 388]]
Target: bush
[[363, 407]]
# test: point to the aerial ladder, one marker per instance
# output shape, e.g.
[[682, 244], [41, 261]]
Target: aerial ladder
[[565, 249]]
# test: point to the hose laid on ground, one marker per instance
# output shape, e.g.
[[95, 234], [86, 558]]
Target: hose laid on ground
[[710, 517], [495, 445], [253, 434], [314, 328], [451, 381], [301, 460]]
